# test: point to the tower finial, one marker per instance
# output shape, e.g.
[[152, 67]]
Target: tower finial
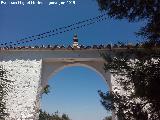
[[75, 41]]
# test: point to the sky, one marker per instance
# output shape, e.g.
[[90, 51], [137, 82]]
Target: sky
[[20, 21], [74, 89]]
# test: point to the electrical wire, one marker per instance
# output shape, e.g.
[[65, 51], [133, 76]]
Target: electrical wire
[[57, 31]]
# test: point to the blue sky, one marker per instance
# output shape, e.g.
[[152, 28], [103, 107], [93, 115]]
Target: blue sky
[[74, 89], [18, 21]]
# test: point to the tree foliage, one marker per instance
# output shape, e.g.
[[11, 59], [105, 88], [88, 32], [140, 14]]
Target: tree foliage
[[46, 89], [137, 10], [137, 72], [43, 115], [46, 116], [3, 92], [140, 76], [108, 118]]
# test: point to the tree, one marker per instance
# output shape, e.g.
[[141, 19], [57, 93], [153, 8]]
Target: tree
[[108, 118], [143, 76], [46, 89], [65, 117], [137, 10], [3, 91], [137, 72], [46, 116]]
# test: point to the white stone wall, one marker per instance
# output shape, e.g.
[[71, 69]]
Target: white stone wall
[[25, 71], [21, 101]]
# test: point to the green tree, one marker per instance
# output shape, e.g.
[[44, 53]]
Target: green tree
[[3, 92], [143, 76], [137, 10], [108, 118], [46, 89], [42, 115], [46, 116], [141, 69], [65, 117]]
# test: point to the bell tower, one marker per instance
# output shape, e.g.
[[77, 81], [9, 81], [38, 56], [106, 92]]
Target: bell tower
[[75, 41]]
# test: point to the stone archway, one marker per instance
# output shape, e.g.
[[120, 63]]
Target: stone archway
[[50, 68], [53, 82], [30, 68]]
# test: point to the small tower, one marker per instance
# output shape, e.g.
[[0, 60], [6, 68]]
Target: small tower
[[75, 41]]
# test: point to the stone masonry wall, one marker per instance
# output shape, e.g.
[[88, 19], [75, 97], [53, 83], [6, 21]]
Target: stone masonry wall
[[21, 101]]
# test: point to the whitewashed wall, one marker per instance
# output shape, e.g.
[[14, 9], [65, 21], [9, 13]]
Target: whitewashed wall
[[21, 101], [29, 74]]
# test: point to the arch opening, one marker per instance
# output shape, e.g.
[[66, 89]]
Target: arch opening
[[81, 65], [76, 71]]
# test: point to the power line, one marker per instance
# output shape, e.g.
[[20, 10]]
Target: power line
[[57, 31]]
